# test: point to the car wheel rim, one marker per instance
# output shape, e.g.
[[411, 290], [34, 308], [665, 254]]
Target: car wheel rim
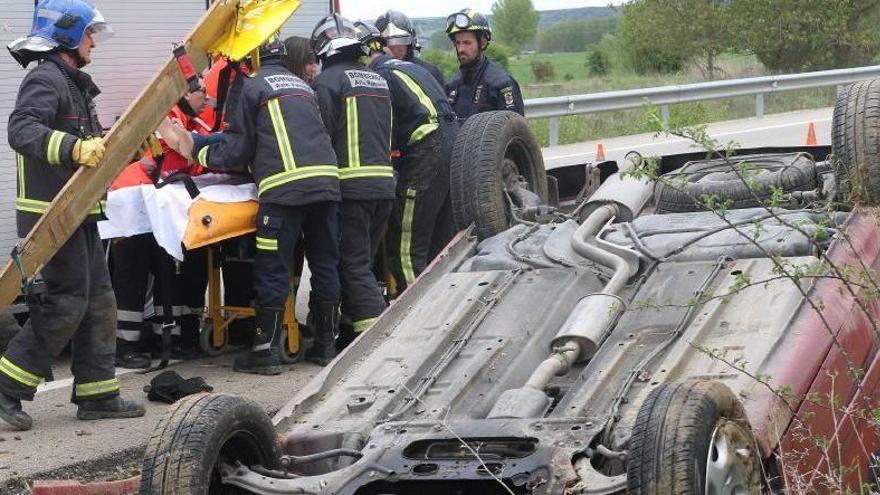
[[729, 464]]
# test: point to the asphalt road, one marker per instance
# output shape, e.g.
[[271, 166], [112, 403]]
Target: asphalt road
[[60, 446], [785, 129]]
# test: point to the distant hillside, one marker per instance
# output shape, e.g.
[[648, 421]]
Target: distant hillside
[[426, 26], [548, 18]]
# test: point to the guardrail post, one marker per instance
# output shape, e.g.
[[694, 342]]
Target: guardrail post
[[759, 105], [664, 114], [554, 131]]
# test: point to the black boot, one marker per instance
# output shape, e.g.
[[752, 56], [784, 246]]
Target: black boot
[[127, 356], [11, 412], [109, 408], [263, 358], [325, 330]]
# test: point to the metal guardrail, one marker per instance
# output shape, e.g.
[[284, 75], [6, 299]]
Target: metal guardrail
[[560, 106]]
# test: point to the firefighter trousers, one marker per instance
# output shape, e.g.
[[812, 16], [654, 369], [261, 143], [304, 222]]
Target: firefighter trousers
[[421, 222], [78, 307], [278, 230], [363, 225], [134, 260]]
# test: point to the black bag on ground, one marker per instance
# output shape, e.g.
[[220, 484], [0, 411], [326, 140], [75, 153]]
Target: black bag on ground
[[169, 387]]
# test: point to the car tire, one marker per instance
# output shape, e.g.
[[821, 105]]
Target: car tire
[[190, 441], [692, 438], [491, 149], [855, 142], [686, 189]]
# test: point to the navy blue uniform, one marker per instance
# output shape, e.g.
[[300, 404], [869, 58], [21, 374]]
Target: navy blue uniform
[[482, 87], [424, 132], [55, 108], [275, 128], [356, 107]]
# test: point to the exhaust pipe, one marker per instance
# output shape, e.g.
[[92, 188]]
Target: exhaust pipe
[[594, 316]]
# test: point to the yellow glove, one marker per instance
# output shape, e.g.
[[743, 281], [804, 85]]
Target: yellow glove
[[88, 152]]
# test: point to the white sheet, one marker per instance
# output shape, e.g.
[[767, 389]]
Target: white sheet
[[164, 211]]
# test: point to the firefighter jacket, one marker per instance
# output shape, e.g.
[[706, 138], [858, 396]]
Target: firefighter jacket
[[420, 106], [55, 107], [482, 87], [275, 127], [356, 107]]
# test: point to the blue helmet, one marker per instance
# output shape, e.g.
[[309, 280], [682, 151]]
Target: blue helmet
[[59, 23]]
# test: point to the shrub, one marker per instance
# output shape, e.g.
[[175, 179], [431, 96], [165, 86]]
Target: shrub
[[597, 62], [443, 59], [500, 54], [543, 70]]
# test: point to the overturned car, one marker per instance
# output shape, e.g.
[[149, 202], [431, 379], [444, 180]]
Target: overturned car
[[694, 324]]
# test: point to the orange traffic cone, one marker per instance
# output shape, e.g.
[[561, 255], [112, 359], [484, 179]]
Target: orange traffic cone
[[811, 135], [600, 153]]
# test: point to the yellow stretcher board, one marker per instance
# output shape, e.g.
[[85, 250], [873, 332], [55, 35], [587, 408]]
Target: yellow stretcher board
[[211, 222]]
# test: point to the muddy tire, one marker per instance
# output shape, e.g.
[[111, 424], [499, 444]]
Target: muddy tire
[[491, 150], [688, 188], [855, 142], [202, 431], [692, 438]]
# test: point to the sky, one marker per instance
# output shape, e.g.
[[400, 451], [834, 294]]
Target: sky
[[370, 9]]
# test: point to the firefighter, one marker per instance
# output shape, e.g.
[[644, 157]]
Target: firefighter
[[424, 134], [481, 85], [133, 259], [274, 125], [402, 43], [356, 107], [54, 129]]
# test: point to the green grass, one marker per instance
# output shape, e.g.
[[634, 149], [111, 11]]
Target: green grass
[[563, 63], [579, 128]]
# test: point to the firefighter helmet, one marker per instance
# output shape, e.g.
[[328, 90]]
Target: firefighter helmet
[[59, 23], [396, 29], [369, 36], [273, 47], [468, 20], [333, 34]]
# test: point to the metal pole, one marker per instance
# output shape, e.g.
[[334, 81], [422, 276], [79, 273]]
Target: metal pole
[[554, 131], [759, 105], [664, 114]]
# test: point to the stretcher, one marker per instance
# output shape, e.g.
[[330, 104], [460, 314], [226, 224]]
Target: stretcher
[[208, 224]]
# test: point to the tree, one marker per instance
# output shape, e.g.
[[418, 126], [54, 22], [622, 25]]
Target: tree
[[665, 34], [514, 22], [799, 35], [573, 36]]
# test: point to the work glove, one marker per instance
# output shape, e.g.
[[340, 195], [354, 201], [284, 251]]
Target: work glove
[[88, 152]]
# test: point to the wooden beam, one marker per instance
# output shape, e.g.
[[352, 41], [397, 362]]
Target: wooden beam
[[88, 185]]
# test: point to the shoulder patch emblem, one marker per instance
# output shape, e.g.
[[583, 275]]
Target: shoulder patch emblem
[[366, 79], [508, 95], [283, 81]]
